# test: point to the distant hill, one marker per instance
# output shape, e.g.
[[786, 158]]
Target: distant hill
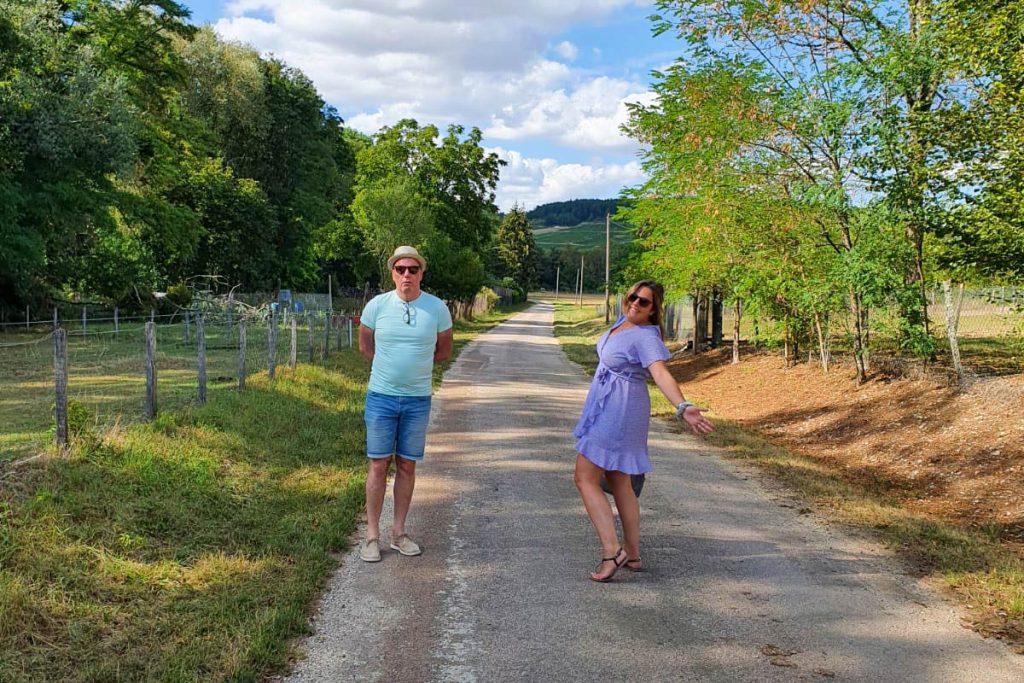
[[572, 212], [584, 236]]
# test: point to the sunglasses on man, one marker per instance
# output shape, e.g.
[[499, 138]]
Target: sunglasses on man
[[643, 301], [412, 270]]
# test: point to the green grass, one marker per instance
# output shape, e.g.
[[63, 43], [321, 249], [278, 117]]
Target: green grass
[[584, 236], [190, 548], [985, 574]]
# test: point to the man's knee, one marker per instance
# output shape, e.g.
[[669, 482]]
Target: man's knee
[[379, 467], [404, 466]]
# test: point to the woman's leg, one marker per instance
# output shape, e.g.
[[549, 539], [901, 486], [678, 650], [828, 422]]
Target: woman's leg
[[588, 481], [629, 511]]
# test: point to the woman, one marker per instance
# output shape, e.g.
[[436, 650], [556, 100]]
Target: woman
[[612, 432]]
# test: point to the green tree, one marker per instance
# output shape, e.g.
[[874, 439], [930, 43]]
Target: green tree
[[516, 250], [389, 214], [455, 181], [66, 128]]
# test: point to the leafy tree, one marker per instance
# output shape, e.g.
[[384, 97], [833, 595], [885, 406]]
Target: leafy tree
[[516, 250], [455, 181], [389, 214], [65, 127]]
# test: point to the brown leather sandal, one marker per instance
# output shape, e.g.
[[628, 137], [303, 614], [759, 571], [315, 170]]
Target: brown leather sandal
[[614, 559], [635, 564]]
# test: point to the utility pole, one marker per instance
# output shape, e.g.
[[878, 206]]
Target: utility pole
[[581, 280], [607, 243], [558, 272]]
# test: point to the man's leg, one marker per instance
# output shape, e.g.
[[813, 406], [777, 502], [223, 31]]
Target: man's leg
[[405, 482], [412, 441], [376, 484], [381, 416]]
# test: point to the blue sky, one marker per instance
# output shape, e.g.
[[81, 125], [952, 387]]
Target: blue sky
[[545, 80]]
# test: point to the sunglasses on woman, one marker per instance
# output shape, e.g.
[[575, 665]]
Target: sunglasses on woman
[[402, 269], [643, 301]]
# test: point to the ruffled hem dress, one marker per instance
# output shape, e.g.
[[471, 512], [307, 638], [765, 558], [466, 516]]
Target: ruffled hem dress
[[612, 431]]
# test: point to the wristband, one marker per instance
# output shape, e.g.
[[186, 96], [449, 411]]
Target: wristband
[[681, 408]]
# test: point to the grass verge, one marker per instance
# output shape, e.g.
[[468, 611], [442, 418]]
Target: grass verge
[[984, 574], [190, 548]]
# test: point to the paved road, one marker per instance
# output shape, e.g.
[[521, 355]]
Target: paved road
[[740, 587]]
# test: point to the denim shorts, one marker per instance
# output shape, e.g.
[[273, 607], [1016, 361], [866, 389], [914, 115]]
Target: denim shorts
[[396, 425]]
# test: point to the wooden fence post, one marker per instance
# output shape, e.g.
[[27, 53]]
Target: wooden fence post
[[60, 380], [241, 354], [327, 334], [272, 345], [312, 333], [56, 319], [84, 323], [349, 332], [201, 356], [150, 370], [293, 353]]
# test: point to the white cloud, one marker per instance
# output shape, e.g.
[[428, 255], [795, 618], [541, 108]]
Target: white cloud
[[449, 61], [529, 181], [587, 118], [567, 50]]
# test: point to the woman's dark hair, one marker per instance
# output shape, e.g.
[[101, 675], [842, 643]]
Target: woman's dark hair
[[658, 307]]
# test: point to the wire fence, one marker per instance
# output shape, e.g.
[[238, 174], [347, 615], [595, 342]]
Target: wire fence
[[109, 381], [211, 346]]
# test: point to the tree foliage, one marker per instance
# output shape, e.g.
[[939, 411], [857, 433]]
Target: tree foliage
[[516, 250], [800, 153], [454, 180]]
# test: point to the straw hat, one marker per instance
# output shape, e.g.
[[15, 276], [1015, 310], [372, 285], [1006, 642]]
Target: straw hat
[[407, 252]]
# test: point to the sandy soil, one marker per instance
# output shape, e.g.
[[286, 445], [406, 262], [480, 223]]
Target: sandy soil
[[959, 456]]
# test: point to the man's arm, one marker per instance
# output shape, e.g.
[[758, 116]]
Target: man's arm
[[443, 350], [366, 346]]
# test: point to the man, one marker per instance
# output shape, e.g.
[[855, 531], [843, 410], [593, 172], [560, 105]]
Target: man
[[402, 333]]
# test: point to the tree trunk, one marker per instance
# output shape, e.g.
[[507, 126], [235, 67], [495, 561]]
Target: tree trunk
[[736, 333], [859, 351], [823, 352]]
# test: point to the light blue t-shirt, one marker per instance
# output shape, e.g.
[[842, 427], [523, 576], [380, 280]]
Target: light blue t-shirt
[[403, 356]]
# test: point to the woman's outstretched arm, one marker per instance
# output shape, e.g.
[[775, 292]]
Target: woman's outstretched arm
[[691, 415]]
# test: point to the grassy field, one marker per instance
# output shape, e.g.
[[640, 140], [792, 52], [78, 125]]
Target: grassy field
[[584, 236], [986, 575], [190, 548]]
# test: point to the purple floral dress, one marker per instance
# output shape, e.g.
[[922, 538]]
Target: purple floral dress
[[612, 431]]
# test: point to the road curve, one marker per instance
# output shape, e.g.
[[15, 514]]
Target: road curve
[[740, 587]]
